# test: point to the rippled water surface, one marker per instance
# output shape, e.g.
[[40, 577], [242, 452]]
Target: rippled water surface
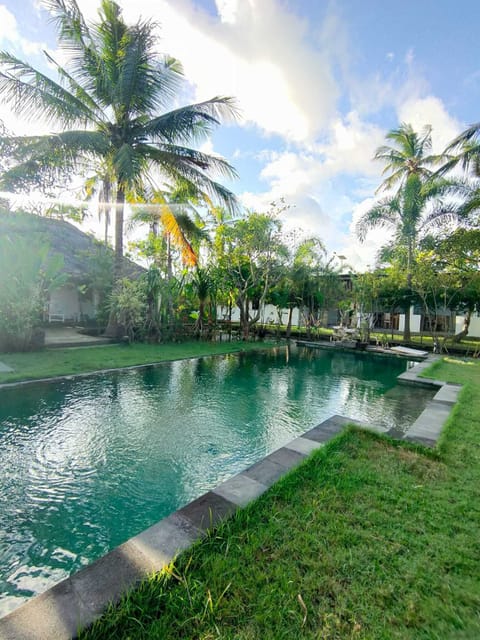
[[87, 463]]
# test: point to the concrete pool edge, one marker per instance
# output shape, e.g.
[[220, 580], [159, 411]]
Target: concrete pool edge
[[79, 600], [427, 427]]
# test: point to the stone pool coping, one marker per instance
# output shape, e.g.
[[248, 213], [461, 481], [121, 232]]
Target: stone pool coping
[[79, 600]]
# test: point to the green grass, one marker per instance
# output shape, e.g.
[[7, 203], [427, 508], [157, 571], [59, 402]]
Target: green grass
[[58, 362], [368, 539]]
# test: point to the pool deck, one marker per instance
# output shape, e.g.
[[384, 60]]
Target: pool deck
[[77, 601], [66, 336]]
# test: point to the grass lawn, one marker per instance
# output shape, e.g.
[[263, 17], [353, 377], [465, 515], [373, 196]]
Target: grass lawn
[[58, 362], [368, 539]]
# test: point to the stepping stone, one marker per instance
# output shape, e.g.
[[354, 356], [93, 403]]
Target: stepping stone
[[4, 368]]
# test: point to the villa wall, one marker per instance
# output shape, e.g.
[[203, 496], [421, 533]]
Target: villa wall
[[415, 322], [67, 302], [474, 329], [269, 315]]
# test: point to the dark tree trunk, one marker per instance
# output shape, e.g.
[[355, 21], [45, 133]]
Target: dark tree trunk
[[244, 325], [466, 325], [114, 329], [289, 323], [119, 211]]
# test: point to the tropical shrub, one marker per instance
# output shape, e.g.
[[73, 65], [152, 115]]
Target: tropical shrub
[[129, 304], [28, 273]]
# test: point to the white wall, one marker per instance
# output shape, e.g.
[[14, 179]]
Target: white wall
[[66, 301], [415, 322], [268, 315], [474, 329]]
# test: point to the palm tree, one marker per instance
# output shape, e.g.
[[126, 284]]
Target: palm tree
[[464, 151], [405, 212], [407, 157], [180, 231], [110, 102]]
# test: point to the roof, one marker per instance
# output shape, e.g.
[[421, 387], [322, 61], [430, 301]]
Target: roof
[[62, 237]]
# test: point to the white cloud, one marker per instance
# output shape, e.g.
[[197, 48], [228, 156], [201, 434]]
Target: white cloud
[[227, 10], [11, 37], [256, 51], [352, 146], [430, 111], [362, 255], [315, 183]]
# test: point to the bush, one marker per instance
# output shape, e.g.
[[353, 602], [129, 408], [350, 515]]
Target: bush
[[28, 273]]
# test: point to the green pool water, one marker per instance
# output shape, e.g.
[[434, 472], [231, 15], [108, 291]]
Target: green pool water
[[86, 463]]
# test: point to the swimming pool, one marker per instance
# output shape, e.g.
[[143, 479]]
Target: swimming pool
[[89, 462]]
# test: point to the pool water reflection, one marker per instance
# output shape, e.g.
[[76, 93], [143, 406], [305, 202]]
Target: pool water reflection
[[89, 462]]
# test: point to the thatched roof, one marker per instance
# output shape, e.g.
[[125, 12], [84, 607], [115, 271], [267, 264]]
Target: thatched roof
[[63, 238]]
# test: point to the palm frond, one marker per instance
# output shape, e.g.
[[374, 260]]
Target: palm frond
[[52, 155], [181, 163], [439, 187], [35, 95], [442, 213], [68, 19], [147, 81], [192, 122], [391, 181], [471, 133], [75, 38], [385, 214], [174, 230], [78, 91]]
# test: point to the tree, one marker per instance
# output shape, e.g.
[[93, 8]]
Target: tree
[[203, 285], [449, 274], [406, 211], [464, 151], [169, 211], [248, 251], [29, 272], [110, 102]]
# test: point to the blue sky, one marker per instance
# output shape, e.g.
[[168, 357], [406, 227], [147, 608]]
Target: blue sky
[[318, 84]]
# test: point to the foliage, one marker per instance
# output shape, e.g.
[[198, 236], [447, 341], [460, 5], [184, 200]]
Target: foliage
[[172, 227], [315, 283], [98, 279], [204, 287], [128, 303], [248, 251], [447, 274], [28, 273], [464, 151]]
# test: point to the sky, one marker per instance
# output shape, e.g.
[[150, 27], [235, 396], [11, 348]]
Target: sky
[[318, 84]]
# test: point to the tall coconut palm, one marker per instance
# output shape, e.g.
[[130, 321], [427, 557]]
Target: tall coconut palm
[[110, 102], [410, 168]]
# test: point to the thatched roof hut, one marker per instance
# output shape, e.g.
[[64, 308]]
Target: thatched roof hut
[[87, 263], [63, 238]]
